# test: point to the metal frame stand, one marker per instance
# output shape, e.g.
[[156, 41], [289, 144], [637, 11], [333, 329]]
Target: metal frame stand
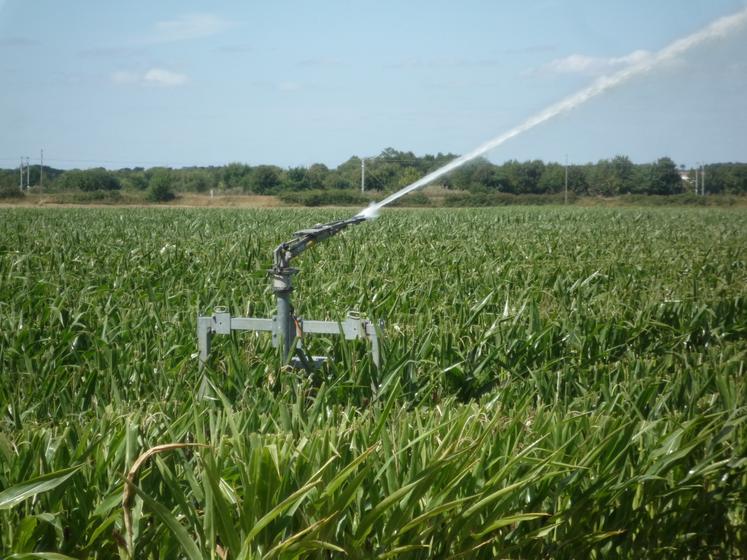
[[285, 327]]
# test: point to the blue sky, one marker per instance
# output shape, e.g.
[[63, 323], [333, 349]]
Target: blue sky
[[293, 83]]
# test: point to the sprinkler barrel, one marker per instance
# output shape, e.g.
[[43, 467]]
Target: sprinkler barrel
[[305, 238]]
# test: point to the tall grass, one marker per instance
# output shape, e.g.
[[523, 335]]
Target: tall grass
[[557, 382]]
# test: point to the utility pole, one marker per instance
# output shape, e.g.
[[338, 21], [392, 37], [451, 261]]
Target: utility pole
[[363, 175], [565, 198], [20, 185], [41, 168], [697, 191], [702, 179], [28, 172]]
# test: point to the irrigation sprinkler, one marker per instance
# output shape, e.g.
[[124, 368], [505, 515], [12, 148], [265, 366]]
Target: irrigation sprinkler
[[288, 330]]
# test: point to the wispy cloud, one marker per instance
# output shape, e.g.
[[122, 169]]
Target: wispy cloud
[[161, 77], [446, 62], [591, 65], [122, 77], [319, 62], [531, 49], [111, 52], [15, 41], [187, 27], [288, 86], [235, 49], [155, 76]]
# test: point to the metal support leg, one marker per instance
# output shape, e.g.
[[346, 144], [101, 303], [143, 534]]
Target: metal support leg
[[204, 334], [373, 337], [281, 285]]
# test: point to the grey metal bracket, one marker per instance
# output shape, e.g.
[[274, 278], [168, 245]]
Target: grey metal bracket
[[353, 327]]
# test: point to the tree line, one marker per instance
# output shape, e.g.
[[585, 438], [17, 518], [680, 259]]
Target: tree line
[[392, 170]]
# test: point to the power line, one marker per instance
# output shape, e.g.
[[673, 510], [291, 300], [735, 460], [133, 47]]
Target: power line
[[379, 181], [137, 163]]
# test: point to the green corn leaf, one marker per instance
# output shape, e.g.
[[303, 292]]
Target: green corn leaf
[[189, 546], [510, 520], [16, 494], [39, 556]]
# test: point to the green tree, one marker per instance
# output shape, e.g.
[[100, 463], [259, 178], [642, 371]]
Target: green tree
[[728, 178], [233, 173], [316, 175], [603, 181], [160, 186], [335, 181], [524, 177], [624, 173], [663, 178], [265, 179], [479, 175], [408, 176], [349, 171], [11, 192], [197, 181], [295, 179], [135, 180], [89, 180], [577, 179], [552, 179]]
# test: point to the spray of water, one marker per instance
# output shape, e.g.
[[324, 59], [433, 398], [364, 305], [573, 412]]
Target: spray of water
[[718, 28]]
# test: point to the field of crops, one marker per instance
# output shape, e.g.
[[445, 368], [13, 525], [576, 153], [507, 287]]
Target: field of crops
[[560, 383]]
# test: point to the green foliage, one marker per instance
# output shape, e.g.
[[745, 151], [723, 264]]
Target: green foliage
[[726, 178], [662, 178], [324, 198], [88, 180], [557, 382], [336, 182], [10, 191], [392, 169], [481, 199], [317, 176], [613, 177], [198, 181], [265, 179], [234, 175], [94, 197], [417, 198], [160, 186], [134, 179], [295, 179], [9, 178]]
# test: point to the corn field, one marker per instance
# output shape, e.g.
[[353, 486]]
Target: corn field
[[556, 383]]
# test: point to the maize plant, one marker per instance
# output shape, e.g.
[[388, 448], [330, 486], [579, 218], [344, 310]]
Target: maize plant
[[555, 382]]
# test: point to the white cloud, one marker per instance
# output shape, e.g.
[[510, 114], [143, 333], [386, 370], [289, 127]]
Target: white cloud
[[154, 76], [320, 62], [122, 77], [289, 86], [591, 65], [189, 26], [162, 77]]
